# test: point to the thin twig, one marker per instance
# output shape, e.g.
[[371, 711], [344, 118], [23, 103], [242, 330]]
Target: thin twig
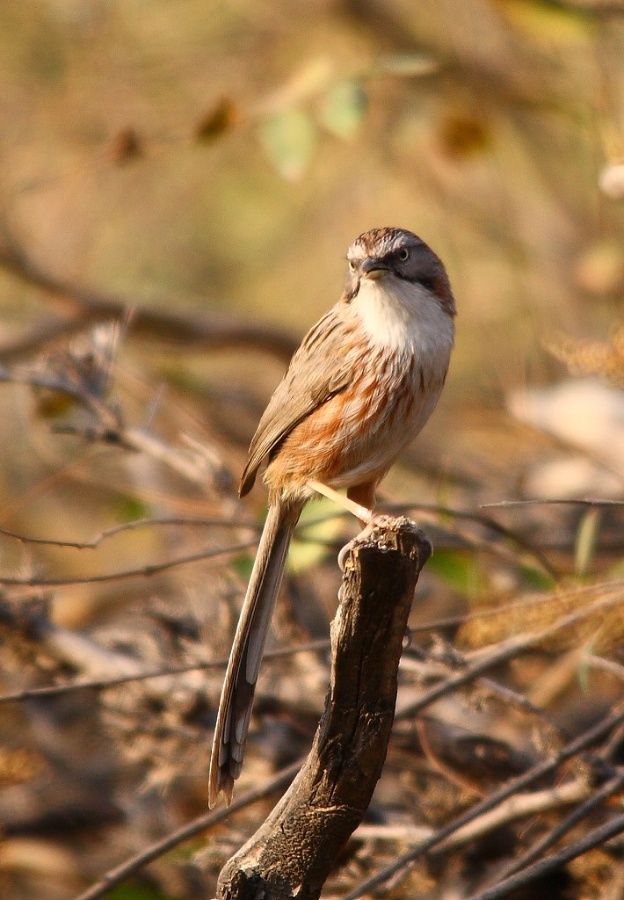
[[88, 306], [493, 611], [486, 521], [144, 572], [191, 463], [607, 665], [94, 542], [57, 690], [63, 385], [132, 865], [512, 504], [592, 839], [517, 807], [587, 739], [506, 650], [567, 823]]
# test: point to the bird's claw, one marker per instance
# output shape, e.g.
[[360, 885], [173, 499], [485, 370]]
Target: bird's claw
[[376, 520]]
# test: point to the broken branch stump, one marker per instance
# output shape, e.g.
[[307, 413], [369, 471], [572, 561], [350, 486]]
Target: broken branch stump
[[294, 850]]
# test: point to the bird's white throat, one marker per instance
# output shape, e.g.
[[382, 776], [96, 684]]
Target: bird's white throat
[[404, 317]]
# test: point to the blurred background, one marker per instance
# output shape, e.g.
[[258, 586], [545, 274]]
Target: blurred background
[[179, 183]]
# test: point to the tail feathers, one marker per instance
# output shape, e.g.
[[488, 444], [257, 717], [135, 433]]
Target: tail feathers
[[242, 672]]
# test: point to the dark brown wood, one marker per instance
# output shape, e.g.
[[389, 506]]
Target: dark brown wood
[[295, 849]]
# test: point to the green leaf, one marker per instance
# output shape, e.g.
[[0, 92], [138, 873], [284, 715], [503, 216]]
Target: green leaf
[[458, 569], [130, 508], [322, 527], [586, 538], [343, 108], [311, 548], [616, 571], [243, 565], [547, 22], [536, 579], [583, 673], [288, 138], [136, 892]]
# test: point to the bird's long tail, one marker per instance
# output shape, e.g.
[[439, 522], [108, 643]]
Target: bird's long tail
[[242, 671]]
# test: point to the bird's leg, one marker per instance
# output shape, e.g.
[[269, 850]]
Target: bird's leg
[[359, 500], [361, 512], [364, 495]]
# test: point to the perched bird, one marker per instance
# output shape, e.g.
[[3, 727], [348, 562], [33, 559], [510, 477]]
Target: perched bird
[[362, 384]]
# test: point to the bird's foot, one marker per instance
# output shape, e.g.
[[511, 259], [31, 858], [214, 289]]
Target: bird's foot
[[375, 520]]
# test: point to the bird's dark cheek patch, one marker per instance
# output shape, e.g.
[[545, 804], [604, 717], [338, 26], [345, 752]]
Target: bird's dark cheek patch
[[351, 291]]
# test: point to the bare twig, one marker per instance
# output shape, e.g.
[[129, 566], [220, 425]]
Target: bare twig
[[132, 865], [480, 519], [57, 690], [607, 665], [520, 806], [600, 730], [511, 504], [597, 797], [526, 603], [193, 462], [88, 306], [143, 572], [483, 660], [94, 542], [592, 839]]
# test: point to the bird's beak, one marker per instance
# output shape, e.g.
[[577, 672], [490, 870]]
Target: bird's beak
[[373, 268]]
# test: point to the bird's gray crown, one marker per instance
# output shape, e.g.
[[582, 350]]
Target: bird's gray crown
[[381, 242]]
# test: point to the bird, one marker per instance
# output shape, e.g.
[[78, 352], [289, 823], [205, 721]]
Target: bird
[[360, 387]]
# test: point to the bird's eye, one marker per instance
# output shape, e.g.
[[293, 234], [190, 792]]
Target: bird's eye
[[404, 254], [352, 266]]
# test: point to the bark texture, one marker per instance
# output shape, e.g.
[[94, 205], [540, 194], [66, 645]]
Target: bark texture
[[294, 850]]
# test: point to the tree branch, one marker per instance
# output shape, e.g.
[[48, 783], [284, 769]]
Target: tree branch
[[86, 306], [296, 847]]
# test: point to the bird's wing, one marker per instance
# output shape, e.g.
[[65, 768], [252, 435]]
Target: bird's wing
[[321, 368]]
